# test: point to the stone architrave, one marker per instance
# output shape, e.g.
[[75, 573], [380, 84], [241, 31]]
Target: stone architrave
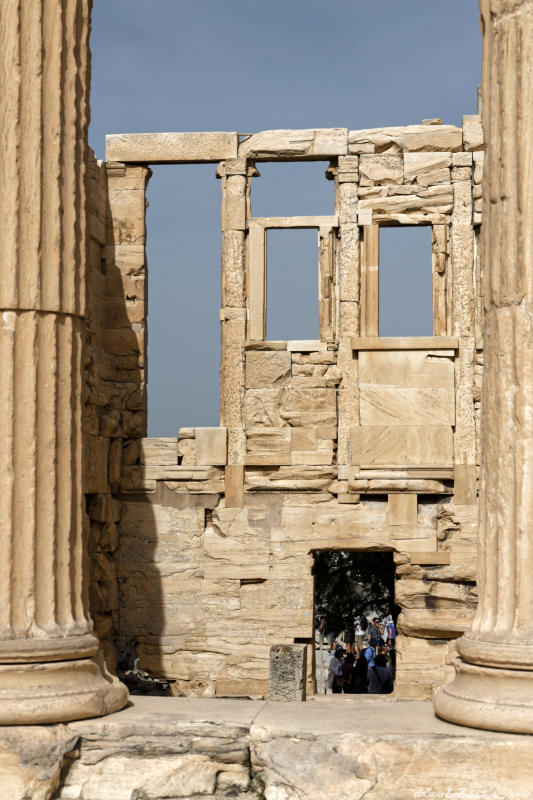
[[50, 667], [493, 686]]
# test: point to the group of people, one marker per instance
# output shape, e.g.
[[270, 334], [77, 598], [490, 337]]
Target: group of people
[[367, 663]]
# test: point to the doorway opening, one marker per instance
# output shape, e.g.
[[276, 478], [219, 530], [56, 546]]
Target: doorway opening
[[355, 622]]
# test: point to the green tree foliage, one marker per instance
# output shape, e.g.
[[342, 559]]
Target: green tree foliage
[[349, 583]]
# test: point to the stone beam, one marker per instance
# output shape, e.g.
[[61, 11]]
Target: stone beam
[[171, 148]]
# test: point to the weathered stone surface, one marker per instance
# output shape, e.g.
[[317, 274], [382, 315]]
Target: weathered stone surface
[[156, 452], [267, 369], [320, 143], [385, 169], [171, 148], [376, 748], [31, 760], [211, 444], [287, 672], [408, 138]]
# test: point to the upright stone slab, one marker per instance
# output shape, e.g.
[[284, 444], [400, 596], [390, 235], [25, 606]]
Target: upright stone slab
[[50, 668], [288, 667]]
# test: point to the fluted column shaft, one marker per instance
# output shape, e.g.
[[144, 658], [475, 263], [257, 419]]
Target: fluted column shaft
[[493, 687], [49, 668]]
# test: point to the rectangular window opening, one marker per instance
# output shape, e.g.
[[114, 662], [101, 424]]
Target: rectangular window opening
[[183, 253], [292, 284], [350, 585], [405, 281], [292, 189]]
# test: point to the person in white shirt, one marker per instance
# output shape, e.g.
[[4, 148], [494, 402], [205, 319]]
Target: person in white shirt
[[335, 671], [359, 633]]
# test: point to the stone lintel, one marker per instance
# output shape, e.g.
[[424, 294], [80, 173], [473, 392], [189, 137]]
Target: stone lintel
[[172, 148]]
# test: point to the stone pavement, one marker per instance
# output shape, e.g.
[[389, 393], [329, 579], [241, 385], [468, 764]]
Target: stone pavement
[[373, 747]]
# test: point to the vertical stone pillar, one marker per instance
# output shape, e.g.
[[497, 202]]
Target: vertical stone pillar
[[235, 202], [49, 665], [493, 687], [464, 305], [349, 307]]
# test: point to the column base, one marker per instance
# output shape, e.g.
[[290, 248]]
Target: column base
[[59, 691], [489, 698]]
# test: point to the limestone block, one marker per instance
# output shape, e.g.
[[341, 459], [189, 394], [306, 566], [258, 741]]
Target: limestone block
[[479, 158], [95, 456], [402, 509], [30, 765], [408, 138], [311, 457], [269, 446], [234, 486], [262, 408], [126, 224], [233, 548], [174, 148], [382, 169], [381, 405], [176, 473], [115, 464], [472, 132], [397, 445], [324, 143], [159, 451], [290, 478], [409, 368], [211, 446], [420, 666], [419, 166], [435, 623], [266, 345], [266, 368], [322, 403], [104, 508], [414, 594], [424, 199], [287, 675], [462, 159]]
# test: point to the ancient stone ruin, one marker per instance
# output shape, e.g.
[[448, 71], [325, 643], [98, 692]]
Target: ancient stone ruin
[[200, 547], [351, 441]]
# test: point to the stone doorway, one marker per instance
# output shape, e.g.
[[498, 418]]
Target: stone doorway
[[348, 583]]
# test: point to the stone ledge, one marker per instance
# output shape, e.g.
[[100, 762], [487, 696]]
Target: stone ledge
[[370, 747]]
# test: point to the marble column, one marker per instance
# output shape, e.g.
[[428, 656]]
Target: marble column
[[50, 669], [493, 687]]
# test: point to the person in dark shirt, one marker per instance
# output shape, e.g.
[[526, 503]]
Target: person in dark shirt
[[360, 675], [347, 674]]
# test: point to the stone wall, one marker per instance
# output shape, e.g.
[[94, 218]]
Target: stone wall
[[203, 544]]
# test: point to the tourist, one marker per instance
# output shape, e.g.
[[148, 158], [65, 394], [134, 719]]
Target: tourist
[[360, 676], [374, 634], [379, 676], [391, 634], [370, 654], [321, 632], [359, 631], [348, 674], [335, 671]]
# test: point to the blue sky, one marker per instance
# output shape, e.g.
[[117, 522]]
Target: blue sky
[[249, 65]]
